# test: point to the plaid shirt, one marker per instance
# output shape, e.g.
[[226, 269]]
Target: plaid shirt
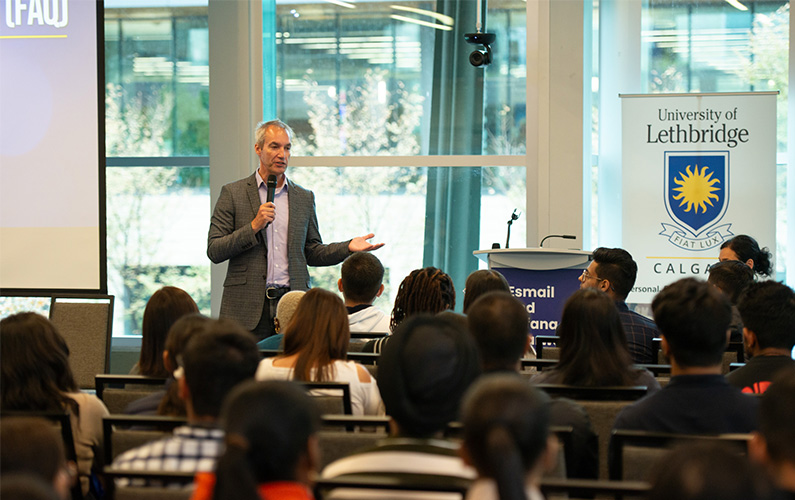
[[189, 449], [640, 331]]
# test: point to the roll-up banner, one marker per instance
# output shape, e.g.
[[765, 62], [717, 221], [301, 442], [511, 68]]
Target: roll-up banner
[[697, 169]]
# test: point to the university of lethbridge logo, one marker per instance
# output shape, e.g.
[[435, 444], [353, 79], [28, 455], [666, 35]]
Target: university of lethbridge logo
[[696, 198]]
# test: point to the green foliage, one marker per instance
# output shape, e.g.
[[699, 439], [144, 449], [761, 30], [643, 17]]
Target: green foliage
[[193, 177], [505, 132], [375, 121], [766, 65], [140, 282], [14, 305], [137, 124], [193, 121], [138, 199]]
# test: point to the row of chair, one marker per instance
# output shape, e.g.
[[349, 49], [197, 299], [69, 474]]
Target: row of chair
[[601, 403], [547, 349], [552, 488], [86, 324], [118, 391], [634, 452]]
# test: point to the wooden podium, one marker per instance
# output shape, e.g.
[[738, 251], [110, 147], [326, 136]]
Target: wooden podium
[[542, 278]]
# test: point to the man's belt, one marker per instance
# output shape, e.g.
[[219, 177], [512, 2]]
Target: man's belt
[[276, 291]]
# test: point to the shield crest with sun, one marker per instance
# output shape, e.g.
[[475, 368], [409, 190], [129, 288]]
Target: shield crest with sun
[[696, 188]]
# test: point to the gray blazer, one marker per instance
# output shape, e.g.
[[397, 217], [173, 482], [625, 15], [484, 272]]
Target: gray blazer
[[231, 237]]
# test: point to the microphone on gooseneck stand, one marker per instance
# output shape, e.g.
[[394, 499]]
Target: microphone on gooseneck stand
[[564, 236], [514, 216]]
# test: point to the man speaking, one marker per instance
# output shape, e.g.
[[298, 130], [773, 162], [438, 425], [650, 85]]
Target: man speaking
[[267, 228]]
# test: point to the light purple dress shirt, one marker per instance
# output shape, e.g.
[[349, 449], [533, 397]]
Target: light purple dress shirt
[[276, 232]]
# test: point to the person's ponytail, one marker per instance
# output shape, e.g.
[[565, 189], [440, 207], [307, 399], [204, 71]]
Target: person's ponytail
[[505, 463], [233, 474]]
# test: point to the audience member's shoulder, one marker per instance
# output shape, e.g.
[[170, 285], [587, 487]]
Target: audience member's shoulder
[[631, 416], [90, 405], [363, 374], [549, 376], [646, 378], [639, 318], [756, 375], [145, 406]]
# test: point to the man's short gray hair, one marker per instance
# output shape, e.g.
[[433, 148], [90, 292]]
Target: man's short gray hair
[[262, 127]]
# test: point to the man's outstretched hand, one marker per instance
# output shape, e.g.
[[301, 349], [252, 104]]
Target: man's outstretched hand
[[360, 244]]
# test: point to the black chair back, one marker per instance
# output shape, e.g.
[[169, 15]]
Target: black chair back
[[634, 452], [64, 423], [123, 432]]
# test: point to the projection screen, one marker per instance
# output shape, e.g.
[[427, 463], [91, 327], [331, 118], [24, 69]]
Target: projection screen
[[52, 229]]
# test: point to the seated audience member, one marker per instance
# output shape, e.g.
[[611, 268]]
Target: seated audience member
[[285, 310], [425, 368], [745, 249], [271, 447], [768, 314], [498, 322], [705, 472], [692, 316], [316, 350], [613, 271], [360, 282], [167, 401], [428, 290], [164, 307], [593, 348], [733, 278], [457, 318], [214, 361], [507, 438], [35, 376], [33, 446], [483, 281], [773, 446], [26, 486]]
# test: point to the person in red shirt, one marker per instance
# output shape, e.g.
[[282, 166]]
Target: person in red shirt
[[271, 445], [768, 313]]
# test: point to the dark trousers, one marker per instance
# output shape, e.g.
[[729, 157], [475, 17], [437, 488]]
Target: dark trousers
[[265, 328]]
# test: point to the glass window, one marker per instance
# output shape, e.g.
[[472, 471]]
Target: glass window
[[157, 236], [13, 305], [157, 107], [369, 78], [391, 202], [394, 79], [157, 77]]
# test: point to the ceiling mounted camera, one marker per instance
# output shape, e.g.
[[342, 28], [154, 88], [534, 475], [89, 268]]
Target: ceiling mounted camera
[[480, 57]]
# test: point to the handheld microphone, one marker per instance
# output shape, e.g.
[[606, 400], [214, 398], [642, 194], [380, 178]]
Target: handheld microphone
[[271, 187]]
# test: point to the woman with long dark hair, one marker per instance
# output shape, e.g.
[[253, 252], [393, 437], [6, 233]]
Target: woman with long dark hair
[[316, 350], [745, 249], [271, 450], [35, 376], [507, 438], [164, 307], [593, 347]]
